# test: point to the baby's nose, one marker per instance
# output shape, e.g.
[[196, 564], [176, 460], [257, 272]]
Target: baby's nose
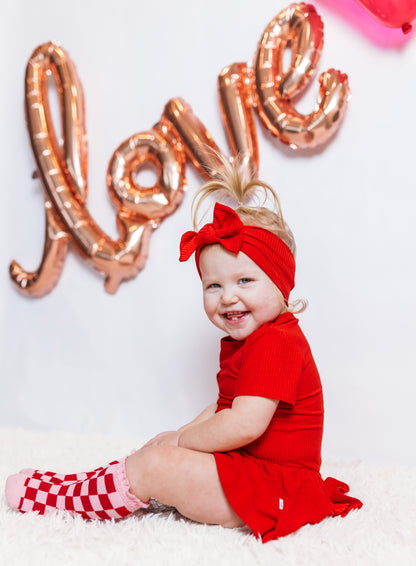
[[229, 297]]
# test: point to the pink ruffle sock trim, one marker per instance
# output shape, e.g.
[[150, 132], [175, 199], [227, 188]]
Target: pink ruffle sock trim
[[130, 501]]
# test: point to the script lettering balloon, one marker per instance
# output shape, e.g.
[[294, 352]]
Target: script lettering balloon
[[300, 27], [178, 136], [64, 178]]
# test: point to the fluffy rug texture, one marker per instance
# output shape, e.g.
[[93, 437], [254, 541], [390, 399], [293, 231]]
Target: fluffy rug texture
[[382, 533]]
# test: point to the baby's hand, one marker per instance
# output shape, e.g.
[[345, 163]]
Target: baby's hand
[[169, 438]]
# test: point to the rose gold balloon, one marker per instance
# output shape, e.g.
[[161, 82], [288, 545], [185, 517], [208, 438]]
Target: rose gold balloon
[[73, 157], [63, 175], [147, 148], [235, 100], [300, 26], [177, 136], [198, 144], [40, 282], [196, 141]]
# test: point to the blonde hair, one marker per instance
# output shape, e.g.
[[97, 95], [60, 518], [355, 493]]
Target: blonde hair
[[234, 181]]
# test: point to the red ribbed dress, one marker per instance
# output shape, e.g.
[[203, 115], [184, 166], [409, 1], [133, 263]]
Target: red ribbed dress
[[274, 484]]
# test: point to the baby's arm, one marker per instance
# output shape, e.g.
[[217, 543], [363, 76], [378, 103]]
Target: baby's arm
[[171, 437], [232, 428], [206, 414]]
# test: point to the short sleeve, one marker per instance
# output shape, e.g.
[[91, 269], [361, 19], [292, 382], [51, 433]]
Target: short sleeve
[[271, 367]]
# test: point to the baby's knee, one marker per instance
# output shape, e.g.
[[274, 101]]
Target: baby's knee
[[147, 467], [151, 458]]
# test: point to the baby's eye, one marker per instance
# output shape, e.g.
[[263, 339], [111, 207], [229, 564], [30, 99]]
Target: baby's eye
[[244, 280], [213, 286]]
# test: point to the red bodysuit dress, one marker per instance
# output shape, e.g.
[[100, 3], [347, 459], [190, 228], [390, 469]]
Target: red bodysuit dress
[[274, 484]]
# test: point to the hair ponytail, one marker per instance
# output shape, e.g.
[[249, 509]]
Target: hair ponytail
[[234, 182]]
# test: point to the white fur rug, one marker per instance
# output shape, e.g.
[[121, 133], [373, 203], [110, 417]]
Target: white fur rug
[[382, 533]]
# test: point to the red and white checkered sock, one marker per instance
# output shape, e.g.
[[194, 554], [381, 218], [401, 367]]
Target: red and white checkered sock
[[105, 495]]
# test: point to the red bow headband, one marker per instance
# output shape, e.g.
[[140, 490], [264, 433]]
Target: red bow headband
[[266, 249]]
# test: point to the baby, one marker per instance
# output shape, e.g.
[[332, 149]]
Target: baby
[[252, 458]]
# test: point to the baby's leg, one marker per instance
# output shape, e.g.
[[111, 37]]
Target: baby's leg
[[104, 495], [185, 479]]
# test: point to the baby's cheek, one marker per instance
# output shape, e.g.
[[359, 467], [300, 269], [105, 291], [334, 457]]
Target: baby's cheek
[[210, 308]]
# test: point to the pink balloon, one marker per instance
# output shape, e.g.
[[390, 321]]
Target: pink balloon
[[392, 13]]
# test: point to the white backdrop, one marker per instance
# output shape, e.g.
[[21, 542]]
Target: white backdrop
[[145, 359]]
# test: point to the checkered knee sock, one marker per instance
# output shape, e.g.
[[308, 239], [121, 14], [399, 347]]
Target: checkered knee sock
[[105, 495]]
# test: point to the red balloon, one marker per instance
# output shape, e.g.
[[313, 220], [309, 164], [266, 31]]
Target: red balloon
[[392, 13]]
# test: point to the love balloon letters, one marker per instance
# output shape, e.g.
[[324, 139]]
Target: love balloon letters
[[179, 136]]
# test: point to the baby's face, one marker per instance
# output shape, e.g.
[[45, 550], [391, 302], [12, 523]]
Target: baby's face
[[238, 296]]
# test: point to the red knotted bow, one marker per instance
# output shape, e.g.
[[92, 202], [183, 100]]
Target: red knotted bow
[[226, 229]]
